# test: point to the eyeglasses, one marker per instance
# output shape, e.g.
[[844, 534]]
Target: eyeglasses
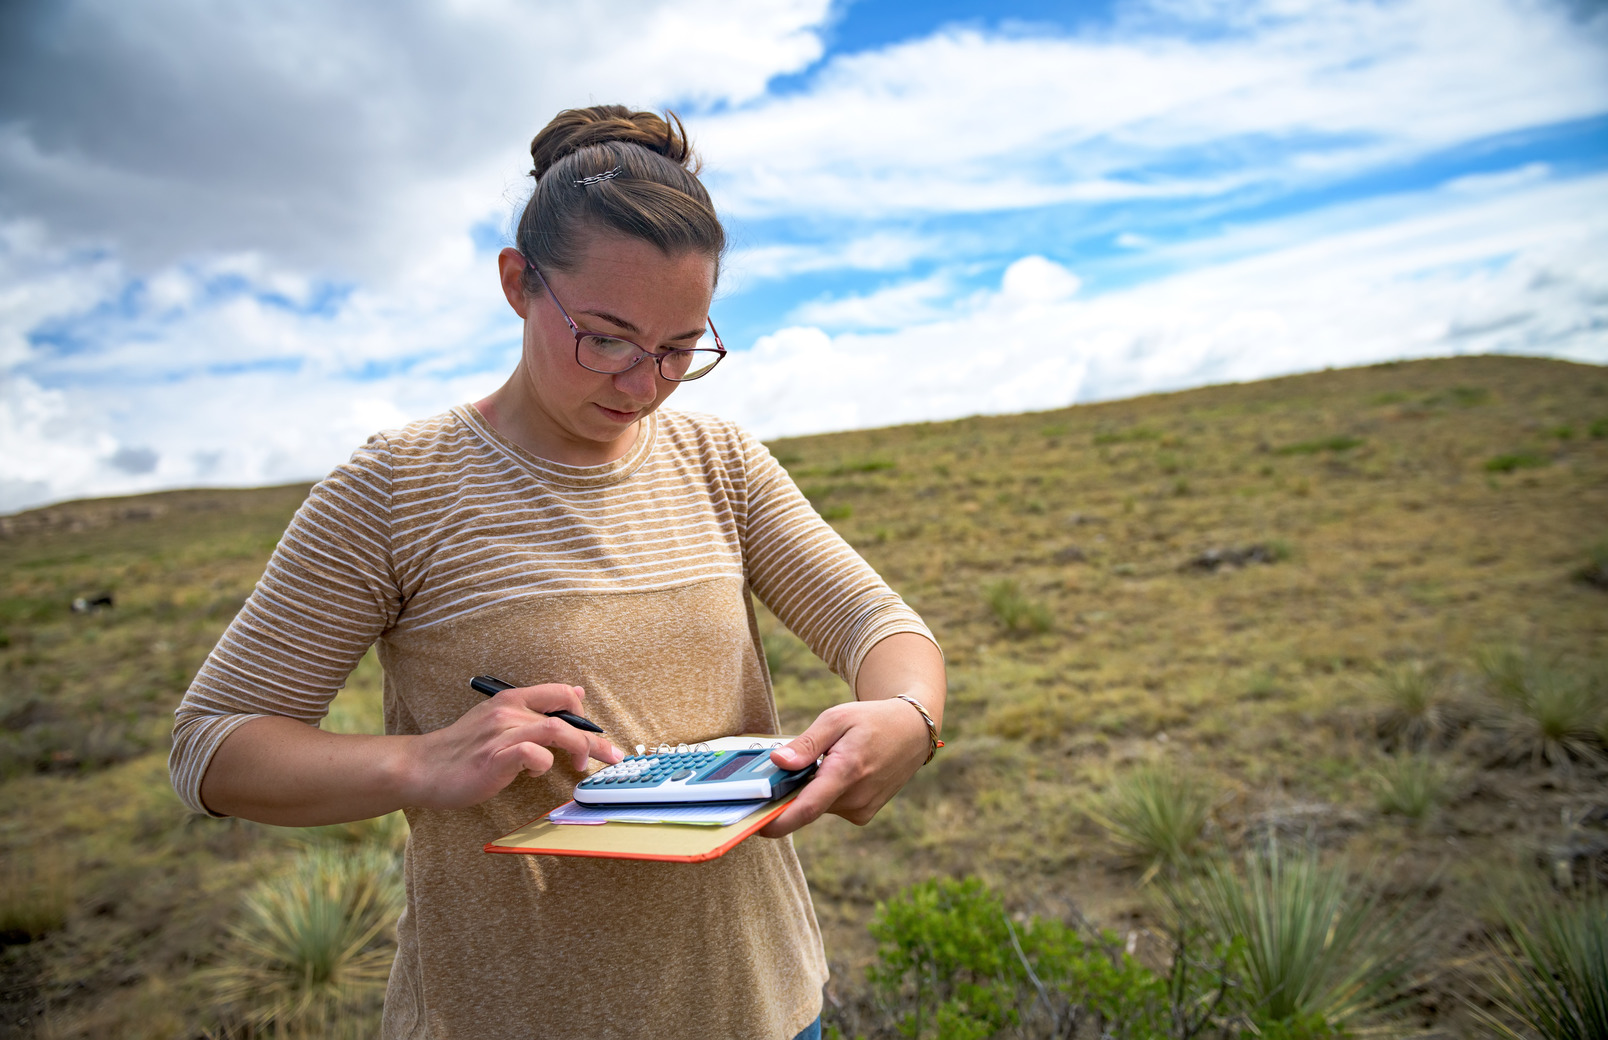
[[611, 355]]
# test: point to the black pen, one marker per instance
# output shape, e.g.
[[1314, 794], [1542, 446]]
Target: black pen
[[491, 687]]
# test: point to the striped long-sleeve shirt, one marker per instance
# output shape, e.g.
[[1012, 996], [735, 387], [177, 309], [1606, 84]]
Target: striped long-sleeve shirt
[[462, 555]]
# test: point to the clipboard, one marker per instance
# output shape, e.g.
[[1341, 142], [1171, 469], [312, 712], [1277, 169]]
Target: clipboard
[[665, 842]]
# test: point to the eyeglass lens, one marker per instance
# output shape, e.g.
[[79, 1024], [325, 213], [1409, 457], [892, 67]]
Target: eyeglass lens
[[609, 355]]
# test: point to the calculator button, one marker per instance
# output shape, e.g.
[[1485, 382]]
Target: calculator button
[[681, 774]]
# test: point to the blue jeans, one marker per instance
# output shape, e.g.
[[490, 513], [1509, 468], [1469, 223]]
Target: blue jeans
[[811, 1031]]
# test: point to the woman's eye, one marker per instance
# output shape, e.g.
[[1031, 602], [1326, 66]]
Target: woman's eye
[[608, 346]]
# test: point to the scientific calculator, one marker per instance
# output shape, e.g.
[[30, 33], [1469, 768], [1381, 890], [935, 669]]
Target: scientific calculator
[[691, 776]]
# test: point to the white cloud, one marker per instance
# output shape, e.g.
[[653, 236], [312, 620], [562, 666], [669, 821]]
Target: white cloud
[[969, 122], [336, 138], [893, 306], [1520, 273], [878, 251]]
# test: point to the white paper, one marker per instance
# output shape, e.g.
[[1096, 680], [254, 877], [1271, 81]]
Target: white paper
[[706, 814]]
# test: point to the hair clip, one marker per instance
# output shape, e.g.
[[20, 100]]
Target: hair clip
[[599, 178]]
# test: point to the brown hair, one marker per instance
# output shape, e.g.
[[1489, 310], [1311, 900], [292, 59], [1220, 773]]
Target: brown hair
[[655, 195]]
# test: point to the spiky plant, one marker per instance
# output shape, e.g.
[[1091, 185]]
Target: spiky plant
[[1547, 714], [1312, 946], [1414, 710], [1410, 785], [36, 892], [1551, 973], [313, 945], [1158, 817]]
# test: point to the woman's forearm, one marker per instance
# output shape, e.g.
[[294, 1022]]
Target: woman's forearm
[[280, 771], [904, 663]]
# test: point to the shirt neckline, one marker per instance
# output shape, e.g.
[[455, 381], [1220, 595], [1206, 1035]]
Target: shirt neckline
[[559, 473]]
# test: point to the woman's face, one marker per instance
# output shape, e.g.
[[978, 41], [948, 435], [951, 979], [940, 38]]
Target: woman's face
[[622, 287]]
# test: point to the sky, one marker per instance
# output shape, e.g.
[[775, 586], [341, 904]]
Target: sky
[[237, 239]]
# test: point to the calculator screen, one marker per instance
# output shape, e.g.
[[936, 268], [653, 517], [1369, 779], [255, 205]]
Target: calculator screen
[[737, 762]]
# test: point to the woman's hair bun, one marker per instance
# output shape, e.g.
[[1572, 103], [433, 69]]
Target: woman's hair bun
[[578, 128], [608, 168]]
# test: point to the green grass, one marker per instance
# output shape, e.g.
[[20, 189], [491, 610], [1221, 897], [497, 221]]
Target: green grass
[[1336, 443], [1510, 461], [1018, 613]]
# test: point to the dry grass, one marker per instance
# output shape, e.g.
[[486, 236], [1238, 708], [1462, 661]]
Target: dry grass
[[1401, 546]]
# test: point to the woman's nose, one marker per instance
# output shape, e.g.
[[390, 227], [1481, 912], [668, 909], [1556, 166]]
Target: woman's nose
[[639, 380]]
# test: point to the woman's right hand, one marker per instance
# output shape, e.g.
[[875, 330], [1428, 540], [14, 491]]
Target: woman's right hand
[[492, 743], [282, 771]]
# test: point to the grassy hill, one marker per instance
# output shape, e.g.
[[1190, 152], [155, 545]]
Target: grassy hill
[[1269, 588]]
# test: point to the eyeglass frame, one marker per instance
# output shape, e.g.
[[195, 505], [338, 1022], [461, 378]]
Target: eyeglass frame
[[658, 359]]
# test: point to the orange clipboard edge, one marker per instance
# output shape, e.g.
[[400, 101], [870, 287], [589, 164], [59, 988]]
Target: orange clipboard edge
[[749, 826]]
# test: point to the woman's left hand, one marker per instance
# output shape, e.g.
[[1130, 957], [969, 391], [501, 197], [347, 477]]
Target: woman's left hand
[[873, 746], [872, 750]]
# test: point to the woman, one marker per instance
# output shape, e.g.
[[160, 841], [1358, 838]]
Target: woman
[[564, 534]]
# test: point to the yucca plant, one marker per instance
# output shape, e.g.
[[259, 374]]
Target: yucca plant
[[1414, 711], [313, 945], [1314, 950], [35, 896], [1547, 714], [1158, 817], [1551, 973], [1410, 785]]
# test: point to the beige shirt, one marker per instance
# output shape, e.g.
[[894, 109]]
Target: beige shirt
[[462, 555]]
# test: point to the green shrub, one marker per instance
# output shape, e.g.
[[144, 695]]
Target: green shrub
[[946, 940], [1515, 460], [861, 466], [1598, 429], [1013, 609], [951, 964], [1317, 954], [1551, 973], [313, 947], [1339, 442], [1158, 816]]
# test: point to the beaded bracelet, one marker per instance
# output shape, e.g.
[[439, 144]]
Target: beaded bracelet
[[933, 743]]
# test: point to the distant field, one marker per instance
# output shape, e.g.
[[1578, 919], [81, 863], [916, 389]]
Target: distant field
[[1226, 581]]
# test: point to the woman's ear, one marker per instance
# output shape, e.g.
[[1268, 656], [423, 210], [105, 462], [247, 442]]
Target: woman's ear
[[511, 268]]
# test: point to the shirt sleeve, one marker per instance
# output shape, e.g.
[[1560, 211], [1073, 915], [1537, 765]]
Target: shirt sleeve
[[328, 592], [809, 577]]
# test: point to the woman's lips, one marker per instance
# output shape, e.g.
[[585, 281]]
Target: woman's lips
[[619, 416]]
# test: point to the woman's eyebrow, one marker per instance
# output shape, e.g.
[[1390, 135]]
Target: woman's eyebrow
[[633, 330]]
